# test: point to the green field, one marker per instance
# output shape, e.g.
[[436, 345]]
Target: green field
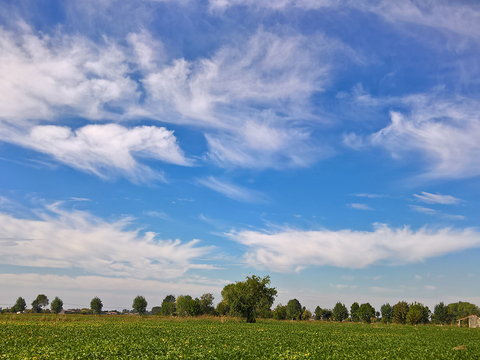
[[125, 337]]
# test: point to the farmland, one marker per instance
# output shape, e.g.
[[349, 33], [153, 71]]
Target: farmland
[[39, 336]]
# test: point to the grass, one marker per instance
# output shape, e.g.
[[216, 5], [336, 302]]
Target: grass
[[37, 336]]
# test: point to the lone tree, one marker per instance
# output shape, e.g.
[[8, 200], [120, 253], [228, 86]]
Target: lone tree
[[354, 312], [56, 305], [440, 314], [400, 311], [206, 304], [247, 298], [168, 305], [183, 304], [387, 313], [294, 310], [96, 305], [340, 312], [20, 305], [280, 312], [40, 303], [366, 312], [140, 305], [418, 314]]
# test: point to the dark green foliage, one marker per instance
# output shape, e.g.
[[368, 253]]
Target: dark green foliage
[[96, 305], [280, 312], [20, 305], [340, 312], [40, 303], [366, 313], [183, 302], [245, 297], [387, 313], [327, 314], [318, 313], [440, 314], [222, 308], [418, 314], [353, 312], [156, 310], [140, 305], [294, 310], [400, 311], [56, 305], [306, 315], [206, 304], [168, 306], [462, 309]]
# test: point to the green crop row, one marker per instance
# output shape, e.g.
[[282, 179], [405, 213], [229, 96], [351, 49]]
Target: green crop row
[[154, 338]]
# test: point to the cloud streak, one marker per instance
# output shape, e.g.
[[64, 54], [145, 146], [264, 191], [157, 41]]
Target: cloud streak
[[444, 131], [103, 150], [232, 191], [284, 251], [437, 198], [76, 239]]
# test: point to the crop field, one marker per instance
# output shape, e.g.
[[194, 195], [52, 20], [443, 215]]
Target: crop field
[[130, 337]]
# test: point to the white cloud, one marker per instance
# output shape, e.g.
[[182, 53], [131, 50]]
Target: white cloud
[[429, 287], [454, 217], [76, 239], [232, 191], [343, 287], [429, 211], [372, 196], [158, 214], [51, 77], [227, 92], [378, 289], [264, 144], [43, 77], [359, 206], [423, 210], [103, 150], [445, 131], [463, 19], [283, 251], [437, 198]]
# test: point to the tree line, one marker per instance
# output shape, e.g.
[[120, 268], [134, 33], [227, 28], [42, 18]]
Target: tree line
[[253, 298]]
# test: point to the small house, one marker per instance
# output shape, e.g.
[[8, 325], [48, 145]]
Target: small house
[[473, 321]]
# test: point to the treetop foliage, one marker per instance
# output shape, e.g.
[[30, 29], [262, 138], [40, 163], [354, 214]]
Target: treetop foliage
[[248, 298]]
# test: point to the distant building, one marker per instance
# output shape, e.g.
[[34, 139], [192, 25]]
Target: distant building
[[70, 311], [473, 321]]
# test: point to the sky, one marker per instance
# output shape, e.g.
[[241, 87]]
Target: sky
[[176, 146]]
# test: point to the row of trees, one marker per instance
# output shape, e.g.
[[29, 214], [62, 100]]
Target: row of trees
[[253, 298], [38, 305], [41, 302]]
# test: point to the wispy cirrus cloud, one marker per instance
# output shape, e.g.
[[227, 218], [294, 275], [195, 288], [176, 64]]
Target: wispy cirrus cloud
[[357, 206], [232, 191], [429, 211], [443, 130], [371, 196], [423, 210], [457, 17], [95, 246], [437, 198], [103, 150], [48, 78], [283, 251]]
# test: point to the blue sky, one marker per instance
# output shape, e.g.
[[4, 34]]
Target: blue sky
[[157, 147]]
